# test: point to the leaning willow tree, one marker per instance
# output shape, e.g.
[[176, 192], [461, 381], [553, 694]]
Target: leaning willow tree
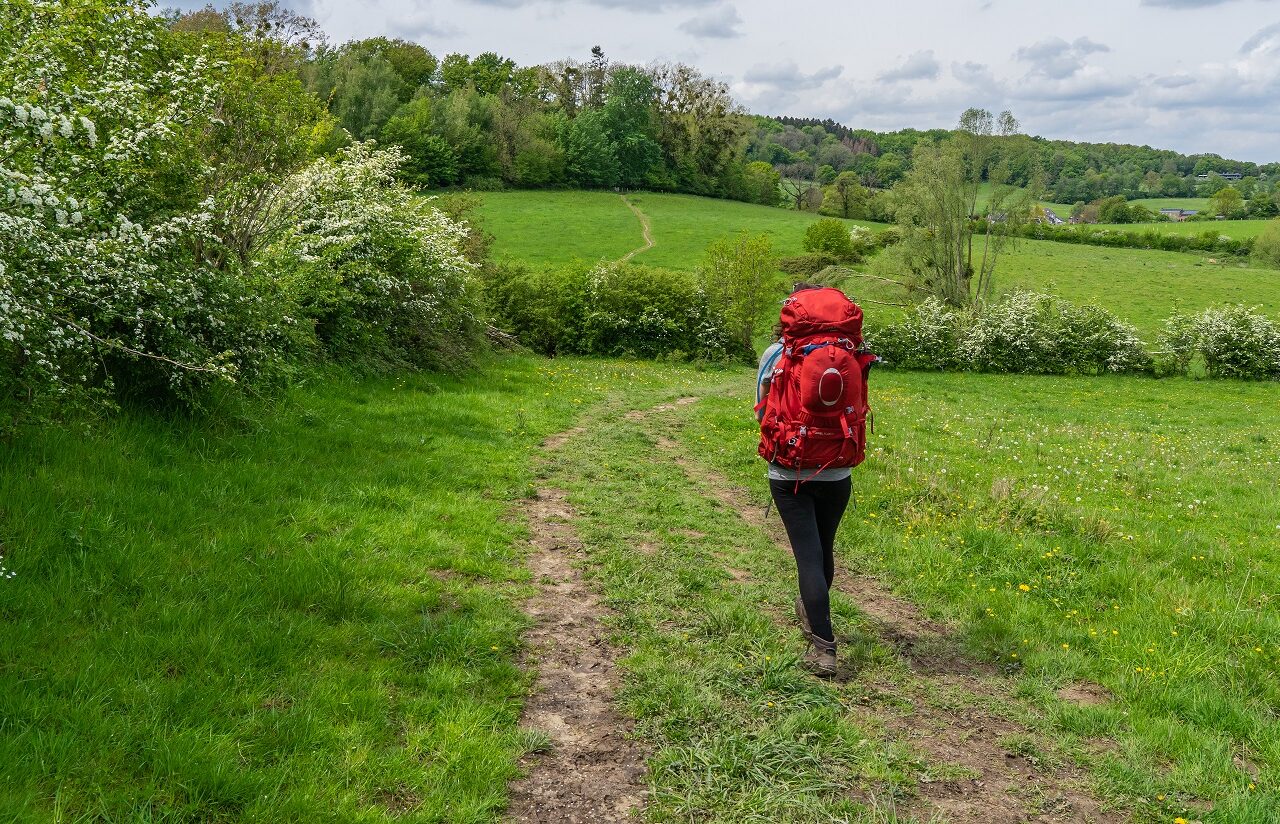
[[952, 241]]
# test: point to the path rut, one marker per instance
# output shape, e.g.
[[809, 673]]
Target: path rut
[[593, 771], [646, 231]]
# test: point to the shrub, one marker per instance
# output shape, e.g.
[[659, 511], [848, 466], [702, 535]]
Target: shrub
[[379, 272], [806, 266], [1024, 332], [99, 283], [927, 339], [1232, 342], [1031, 333], [1266, 247], [829, 236], [611, 309]]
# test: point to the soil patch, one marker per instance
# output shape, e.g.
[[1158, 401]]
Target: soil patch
[[1085, 693], [593, 771]]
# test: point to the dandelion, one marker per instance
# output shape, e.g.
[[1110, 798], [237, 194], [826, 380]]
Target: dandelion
[[1024, 587]]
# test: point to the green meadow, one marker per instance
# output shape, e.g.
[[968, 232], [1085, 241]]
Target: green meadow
[[312, 611], [1141, 286]]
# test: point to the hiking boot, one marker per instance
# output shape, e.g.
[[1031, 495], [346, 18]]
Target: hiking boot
[[803, 615], [820, 658]]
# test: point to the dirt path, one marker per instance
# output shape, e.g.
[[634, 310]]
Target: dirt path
[[645, 228], [592, 771], [1009, 786]]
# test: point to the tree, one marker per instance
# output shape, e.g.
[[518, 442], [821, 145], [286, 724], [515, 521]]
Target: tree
[[1266, 249], [760, 181], [935, 204], [829, 236], [1227, 202], [630, 116], [590, 159], [429, 159], [1114, 210], [846, 197], [741, 278]]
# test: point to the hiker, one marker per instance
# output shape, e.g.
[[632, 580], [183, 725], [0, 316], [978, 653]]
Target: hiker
[[811, 402]]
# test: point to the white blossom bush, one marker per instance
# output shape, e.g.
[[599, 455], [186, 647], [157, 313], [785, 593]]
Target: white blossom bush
[[378, 271], [97, 277], [1230, 341], [1023, 332], [1034, 333], [928, 338]]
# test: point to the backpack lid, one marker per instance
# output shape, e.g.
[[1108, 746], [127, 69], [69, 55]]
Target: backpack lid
[[817, 311]]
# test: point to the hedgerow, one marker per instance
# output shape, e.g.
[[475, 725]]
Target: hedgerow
[[1230, 342], [159, 239], [1024, 333], [611, 309], [1209, 241]]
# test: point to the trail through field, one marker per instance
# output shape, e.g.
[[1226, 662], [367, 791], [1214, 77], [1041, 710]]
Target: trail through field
[[646, 229], [591, 771], [977, 761], [958, 730]]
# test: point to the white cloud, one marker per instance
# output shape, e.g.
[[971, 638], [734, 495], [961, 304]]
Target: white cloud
[[722, 22], [920, 66]]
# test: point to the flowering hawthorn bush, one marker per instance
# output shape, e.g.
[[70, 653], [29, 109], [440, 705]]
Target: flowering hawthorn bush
[[1033, 333], [378, 270], [1023, 332], [97, 278], [1232, 341], [928, 338]]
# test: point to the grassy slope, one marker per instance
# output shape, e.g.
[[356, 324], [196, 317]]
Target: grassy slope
[[1142, 518], [1139, 285], [299, 622], [311, 620], [1142, 286], [1235, 229], [559, 227]]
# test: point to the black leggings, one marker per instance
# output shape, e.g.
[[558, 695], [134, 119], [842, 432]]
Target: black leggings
[[811, 516]]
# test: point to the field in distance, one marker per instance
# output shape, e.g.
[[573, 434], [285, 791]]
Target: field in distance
[[1141, 286]]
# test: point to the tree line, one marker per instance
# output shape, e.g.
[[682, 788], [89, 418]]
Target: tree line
[[818, 151], [485, 122]]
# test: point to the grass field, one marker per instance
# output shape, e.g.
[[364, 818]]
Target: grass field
[[1119, 531], [1235, 229], [310, 618], [1141, 286], [560, 227], [317, 618]]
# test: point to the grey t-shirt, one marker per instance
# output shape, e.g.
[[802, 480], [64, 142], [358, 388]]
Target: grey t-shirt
[[768, 360]]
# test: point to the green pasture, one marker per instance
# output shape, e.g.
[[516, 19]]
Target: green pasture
[[1155, 204], [1117, 531], [544, 228], [308, 616], [561, 227], [1234, 229], [1142, 286], [316, 617]]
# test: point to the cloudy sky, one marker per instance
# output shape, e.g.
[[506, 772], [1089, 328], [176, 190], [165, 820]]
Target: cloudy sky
[[1192, 75]]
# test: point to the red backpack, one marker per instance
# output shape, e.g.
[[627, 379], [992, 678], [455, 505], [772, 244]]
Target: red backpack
[[815, 412]]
